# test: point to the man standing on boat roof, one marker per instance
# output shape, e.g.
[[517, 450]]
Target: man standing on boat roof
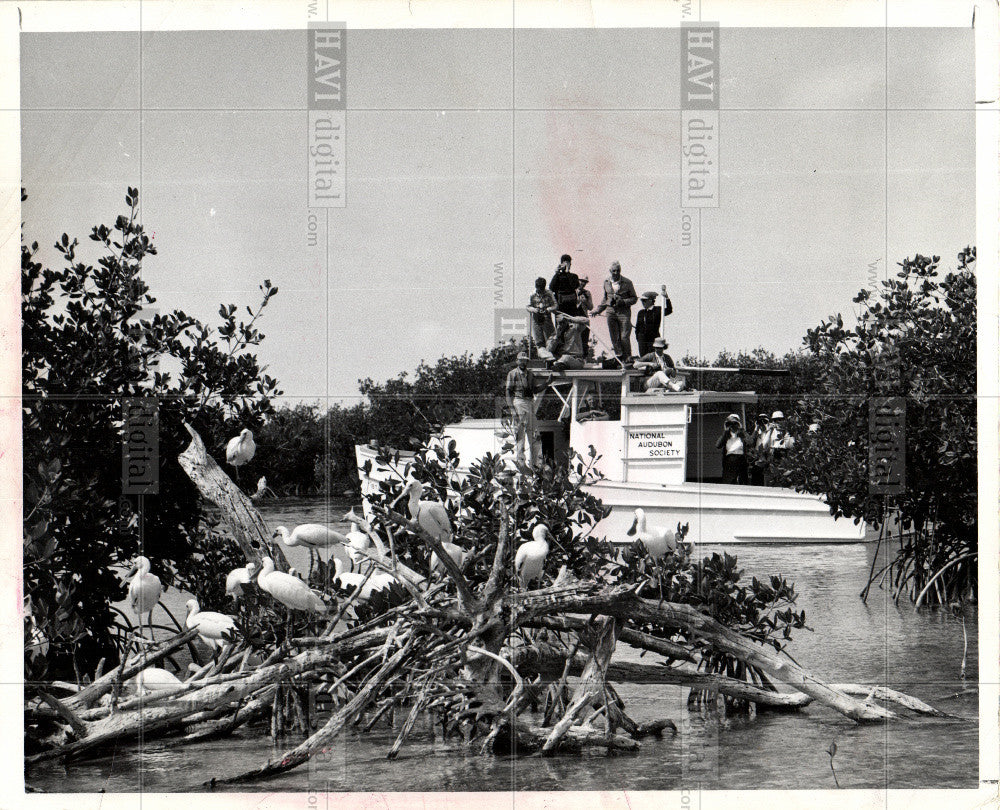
[[520, 392], [647, 320], [619, 296], [564, 286], [541, 305]]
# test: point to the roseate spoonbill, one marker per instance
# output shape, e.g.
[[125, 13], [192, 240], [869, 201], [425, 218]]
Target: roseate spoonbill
[[457, 553], [291, 591], [237, 578], [431, 516], [315, 536], [349, 580], [240, 450], [213, 628], [154, 679], [144, 591], [357, 542], [529, 562], [656, 541]]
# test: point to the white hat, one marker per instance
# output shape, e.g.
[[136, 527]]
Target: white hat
[[777, 415]]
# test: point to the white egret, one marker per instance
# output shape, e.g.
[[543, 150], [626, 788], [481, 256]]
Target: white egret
[[237, 578], [291, 591], [431, 516], [240, 450], [213, 628], [154, 679], [529, 562], [144, 591], [656, 541], [457, 553]]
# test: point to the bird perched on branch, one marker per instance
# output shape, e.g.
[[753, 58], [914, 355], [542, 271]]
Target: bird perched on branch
[[431, 516], [357, 542], [262, 490], [291, 591], [529, 562], [213, 628], [457, 553], [240, 450], [366, 585], [144, 591], [154, 679], [656, 541], [237, 578]]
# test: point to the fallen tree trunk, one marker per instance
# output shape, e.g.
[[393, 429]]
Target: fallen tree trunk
[[621, 602], [239, 513]]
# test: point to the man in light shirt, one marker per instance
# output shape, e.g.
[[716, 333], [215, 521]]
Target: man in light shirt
[[619, 298]]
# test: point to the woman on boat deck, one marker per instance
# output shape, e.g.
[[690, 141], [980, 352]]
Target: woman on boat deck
[[735, 445]]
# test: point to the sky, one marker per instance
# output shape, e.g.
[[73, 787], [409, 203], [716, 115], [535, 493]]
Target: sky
[[475, 158]]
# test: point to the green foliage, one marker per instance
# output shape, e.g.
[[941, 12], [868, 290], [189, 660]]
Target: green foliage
[[915, 338], [763, 610], [88, 345]]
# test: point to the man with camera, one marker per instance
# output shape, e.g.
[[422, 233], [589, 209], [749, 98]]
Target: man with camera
[[619, 298], [775, 442], [564, 286]]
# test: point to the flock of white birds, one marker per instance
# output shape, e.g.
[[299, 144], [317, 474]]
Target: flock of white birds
[[349, 553]]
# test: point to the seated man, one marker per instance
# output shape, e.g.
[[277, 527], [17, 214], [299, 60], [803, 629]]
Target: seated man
[[567, 344], [664, 373]]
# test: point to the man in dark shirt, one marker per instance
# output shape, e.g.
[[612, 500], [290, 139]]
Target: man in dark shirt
[[647, 323], [564, 286]]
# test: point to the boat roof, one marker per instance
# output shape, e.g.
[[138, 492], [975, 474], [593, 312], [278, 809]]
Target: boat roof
[[699, 397]]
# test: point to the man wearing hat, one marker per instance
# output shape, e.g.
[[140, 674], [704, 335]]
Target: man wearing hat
[[520, 399], [759, 458], [647, 320], [661, 364], [776, 441], [735, 446]]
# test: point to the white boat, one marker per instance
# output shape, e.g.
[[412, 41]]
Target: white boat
[[659, 455]]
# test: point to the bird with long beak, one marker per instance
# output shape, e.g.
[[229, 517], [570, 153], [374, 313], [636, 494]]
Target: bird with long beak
[[358, 542], [529, 562], [656, 541], [237, 578], [315, 536], [431, 516], [144, 591], [213, 628], [458, 555], [240, 450]]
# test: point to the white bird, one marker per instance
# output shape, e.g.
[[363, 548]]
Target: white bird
[[154, 679], [240, 450], [262, 490], [378, 581], [144, 591], [457, 553], [357, 542], [213, 628], [431, 516], [529, 561], [656, 541], [291, 591], [315, 536], [237, 578]]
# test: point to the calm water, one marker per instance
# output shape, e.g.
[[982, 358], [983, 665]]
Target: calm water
[[876, 643]]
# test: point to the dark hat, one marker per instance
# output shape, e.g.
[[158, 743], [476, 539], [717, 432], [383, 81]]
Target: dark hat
[[648, 296]]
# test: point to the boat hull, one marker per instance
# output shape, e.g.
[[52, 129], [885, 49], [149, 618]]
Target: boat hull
[[724, 514]]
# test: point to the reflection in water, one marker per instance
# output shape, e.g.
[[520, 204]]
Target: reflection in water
[[919, 653]]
